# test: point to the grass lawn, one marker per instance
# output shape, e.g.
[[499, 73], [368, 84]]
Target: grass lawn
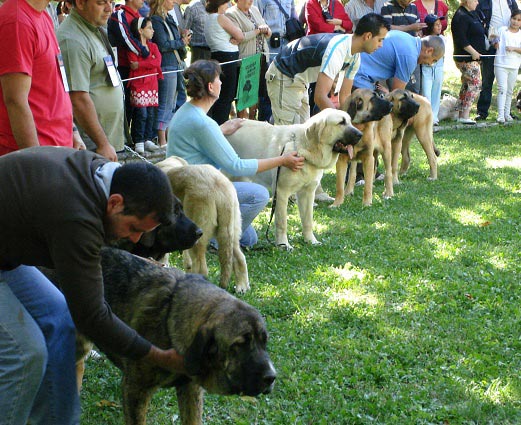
[[408, 313]]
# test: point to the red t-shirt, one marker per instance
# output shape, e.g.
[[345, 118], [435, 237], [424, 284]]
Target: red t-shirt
[[28, 45]]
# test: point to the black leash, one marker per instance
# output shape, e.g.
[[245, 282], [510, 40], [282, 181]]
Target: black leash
[[274, 201]]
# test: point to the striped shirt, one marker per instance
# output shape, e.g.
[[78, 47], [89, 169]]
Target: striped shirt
[[396, 15], [303, 59]]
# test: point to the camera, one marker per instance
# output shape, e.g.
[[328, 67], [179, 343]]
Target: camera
[[275, 40], [327, 16]]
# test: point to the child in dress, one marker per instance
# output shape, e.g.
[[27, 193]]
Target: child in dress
[[143, 91], [432, 75], [506, 65]]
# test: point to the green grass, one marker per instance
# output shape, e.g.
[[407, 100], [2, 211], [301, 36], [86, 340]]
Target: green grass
[[408, 313]]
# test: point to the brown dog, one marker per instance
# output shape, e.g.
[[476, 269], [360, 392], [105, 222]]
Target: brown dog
[[421, 126], [210, 200], [370, 113]]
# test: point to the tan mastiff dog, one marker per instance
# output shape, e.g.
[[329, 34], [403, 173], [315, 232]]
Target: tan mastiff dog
[[319, 140], [421, 126], [210, 200], [365, 107]]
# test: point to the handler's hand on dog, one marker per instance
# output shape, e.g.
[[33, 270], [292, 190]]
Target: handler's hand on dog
[[231, 126], [166, 359], [293, 161]]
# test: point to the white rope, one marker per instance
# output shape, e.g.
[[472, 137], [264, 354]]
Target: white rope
[[172, 72]]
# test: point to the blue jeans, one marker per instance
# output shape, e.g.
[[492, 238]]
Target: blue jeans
[[167, 91], [487, 81], [431, 82], [143, 120], [253, 198], [37, 352], [181, 94]]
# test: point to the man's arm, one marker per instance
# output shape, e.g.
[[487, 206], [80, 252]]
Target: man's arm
[[85, 115], [345, 90], [118, 31], [398, 84], [15, 89], [322, 90]]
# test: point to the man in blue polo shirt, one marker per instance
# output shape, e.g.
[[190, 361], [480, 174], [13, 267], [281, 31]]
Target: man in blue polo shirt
[[396, 60]]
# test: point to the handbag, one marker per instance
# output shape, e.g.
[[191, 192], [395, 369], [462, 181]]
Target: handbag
[[294, 28]]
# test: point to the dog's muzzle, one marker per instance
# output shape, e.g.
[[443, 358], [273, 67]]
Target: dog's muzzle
[[408, 108], [351, 137], [380, 108]]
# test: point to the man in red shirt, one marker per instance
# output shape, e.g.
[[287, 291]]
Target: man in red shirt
[[34, 106]]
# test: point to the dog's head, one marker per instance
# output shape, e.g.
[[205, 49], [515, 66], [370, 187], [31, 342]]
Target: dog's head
[[182, 233], [333, 128], [518, 101], [229, 352], [404, 105], [365, 105]]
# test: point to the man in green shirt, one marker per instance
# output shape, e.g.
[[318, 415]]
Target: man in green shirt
[[96, 90]]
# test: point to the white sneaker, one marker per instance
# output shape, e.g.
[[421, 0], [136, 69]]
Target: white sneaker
[[323, 197], [151, 146], [508, 118], [140, 148], [500, 120]]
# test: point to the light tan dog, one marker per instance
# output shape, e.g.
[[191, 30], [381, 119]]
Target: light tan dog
[[365, 108], [210, 200], [319, 140]]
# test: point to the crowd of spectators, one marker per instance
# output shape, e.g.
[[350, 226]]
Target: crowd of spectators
[[96, 39]]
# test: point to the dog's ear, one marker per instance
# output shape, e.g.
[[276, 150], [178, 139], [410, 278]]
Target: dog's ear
[[202, 349], [352, 108]]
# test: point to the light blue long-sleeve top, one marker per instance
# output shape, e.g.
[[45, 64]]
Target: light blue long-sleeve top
[[198, 139]]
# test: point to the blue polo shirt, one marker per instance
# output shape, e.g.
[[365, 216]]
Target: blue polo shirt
[[397, 58]]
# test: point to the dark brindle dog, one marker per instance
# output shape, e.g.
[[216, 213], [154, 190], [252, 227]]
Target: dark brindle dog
[[222, 338], [182, 233]]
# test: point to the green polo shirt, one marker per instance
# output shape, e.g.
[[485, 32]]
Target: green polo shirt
[[83, 51]]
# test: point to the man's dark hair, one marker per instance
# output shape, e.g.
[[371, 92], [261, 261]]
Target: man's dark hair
[[145, 189], [372, 22]]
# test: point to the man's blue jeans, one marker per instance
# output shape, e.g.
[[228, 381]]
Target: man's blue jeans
[[37, 352]]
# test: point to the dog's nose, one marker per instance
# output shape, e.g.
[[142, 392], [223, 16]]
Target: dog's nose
[[268, 380], [198, 233], [354, 135]]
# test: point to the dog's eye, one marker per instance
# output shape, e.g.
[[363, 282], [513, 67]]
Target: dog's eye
[[343, 122]]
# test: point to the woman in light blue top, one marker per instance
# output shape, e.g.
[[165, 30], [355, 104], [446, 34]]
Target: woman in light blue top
[[198, 139]]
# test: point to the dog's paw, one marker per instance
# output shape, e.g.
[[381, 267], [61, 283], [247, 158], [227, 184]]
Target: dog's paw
[[284, 247], [242, 289]]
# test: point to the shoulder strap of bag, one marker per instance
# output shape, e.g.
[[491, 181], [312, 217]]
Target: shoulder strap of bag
[[172, 37], [281, 9]]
